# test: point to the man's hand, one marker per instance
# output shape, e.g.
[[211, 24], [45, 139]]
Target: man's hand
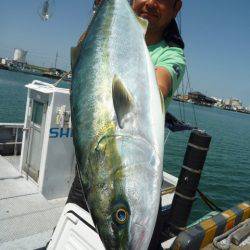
[[164, 80]]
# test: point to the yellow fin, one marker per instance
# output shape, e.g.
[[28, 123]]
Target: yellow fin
[[75, 51], [122, 100], [162, 101], [144, 23]]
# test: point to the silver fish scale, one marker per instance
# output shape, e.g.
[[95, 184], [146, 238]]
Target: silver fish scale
[[127, 60], [115, 46]]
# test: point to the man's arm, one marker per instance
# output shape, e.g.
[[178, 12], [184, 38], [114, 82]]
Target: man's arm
[[164, 80], [169, 70]]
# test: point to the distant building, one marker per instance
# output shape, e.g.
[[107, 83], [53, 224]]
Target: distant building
[[236, 103], [227, 102], [3, 61], [233, 104], [216, 99], [20, 55], [181, 98]]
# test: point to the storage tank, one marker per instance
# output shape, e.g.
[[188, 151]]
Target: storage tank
[[20, 55]]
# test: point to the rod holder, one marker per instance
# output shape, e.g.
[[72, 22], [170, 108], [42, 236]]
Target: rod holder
[[189, 178]]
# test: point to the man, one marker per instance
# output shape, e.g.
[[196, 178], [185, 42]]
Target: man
[[164, 42], [166, 50]]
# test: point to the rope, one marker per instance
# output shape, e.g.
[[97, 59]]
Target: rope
[[189, 86], [169, 132], [181, 105], [58, 81], [180, 110], [80, 180], [223, 242], [179, 21], [208, 202]]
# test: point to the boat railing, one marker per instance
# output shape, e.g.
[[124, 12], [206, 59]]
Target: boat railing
[[11, 138]]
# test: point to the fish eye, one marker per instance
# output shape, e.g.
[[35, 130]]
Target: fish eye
[[121, 216]]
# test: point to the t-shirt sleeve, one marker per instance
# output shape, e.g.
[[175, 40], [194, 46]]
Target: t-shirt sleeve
[[173, 60]]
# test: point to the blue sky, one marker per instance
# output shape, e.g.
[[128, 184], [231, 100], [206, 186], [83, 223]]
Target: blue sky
[[216, 33]]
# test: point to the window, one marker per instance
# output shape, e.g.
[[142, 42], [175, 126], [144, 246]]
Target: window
[[37, 113]]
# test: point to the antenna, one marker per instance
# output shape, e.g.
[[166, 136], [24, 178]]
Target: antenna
[[56, 58]]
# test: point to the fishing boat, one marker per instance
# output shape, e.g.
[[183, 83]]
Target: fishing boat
[[37, 165]]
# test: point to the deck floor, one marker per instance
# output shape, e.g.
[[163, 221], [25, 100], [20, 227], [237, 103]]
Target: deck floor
[[27, 219]]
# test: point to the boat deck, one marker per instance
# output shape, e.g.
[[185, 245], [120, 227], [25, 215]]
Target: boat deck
[[27, 218], [23, 209]]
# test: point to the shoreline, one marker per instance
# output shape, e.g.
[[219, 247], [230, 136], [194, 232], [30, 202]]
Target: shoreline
[[49, 76], [212, 106]]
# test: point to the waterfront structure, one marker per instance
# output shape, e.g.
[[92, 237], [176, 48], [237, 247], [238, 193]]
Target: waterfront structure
[[232, 104], [19, 64], [180, 98], [236, 103], [20, 55], [3, 61], [201, 99], [217, 99]]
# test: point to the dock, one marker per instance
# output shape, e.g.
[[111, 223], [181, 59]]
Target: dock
[[23, 209]]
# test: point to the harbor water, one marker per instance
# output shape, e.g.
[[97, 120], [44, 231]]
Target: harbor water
[[225, 178]]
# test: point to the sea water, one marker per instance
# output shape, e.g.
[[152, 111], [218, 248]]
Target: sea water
[[13, 94], [226, 175]]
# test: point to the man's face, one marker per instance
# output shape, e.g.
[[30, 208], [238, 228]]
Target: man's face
[[97, 2], [159, 13]]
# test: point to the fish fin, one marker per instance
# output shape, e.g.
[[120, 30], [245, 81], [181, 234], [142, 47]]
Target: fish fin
[[75, 51], [122, 100], [162, 102], [144, 23]]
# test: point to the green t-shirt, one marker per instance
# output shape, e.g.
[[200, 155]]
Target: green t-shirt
[[171, 58]]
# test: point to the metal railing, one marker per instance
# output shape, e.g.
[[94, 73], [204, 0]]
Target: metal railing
[[10, 138]]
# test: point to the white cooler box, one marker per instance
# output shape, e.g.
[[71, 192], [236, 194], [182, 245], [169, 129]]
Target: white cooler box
[[75, 230]]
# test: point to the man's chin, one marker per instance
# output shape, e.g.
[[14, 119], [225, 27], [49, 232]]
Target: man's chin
[[148, 17]]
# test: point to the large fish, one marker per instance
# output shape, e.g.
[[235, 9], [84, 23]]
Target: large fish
[[118, 127]]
